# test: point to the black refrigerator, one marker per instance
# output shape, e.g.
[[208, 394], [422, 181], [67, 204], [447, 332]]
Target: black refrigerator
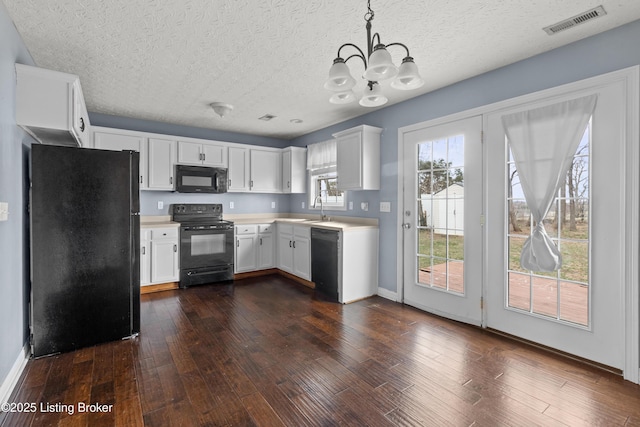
[[85, 247]]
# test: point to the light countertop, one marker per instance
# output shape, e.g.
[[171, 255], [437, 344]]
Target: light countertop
[[343, 223], [157, 221]]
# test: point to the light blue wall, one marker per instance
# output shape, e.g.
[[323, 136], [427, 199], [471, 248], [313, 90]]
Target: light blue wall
[[243, 203], [14, 154], [609, 51]]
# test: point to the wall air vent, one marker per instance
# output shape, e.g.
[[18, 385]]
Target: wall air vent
[[267, 117], [596, 12]]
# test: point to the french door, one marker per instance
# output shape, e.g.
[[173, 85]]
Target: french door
[[464, 220], [579, 308], [442, 219]]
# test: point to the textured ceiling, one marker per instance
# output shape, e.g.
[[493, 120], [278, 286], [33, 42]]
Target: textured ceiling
[[167, 60]]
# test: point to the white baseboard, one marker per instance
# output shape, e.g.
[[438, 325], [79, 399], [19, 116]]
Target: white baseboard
[[386, 293], [12, 378]]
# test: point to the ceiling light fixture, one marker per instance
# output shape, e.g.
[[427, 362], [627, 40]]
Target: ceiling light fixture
[[221, 108], [380, 67]]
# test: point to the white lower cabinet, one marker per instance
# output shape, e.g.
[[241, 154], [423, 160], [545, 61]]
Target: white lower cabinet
[[254, 247], [294, 250], [266, 247], [159, 255], [145, 256], [245, 250]]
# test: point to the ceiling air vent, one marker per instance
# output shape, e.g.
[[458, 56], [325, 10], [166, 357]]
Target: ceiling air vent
[[596, 12], [267, 117]]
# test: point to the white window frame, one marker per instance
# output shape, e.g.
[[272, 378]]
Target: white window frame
[[326, 205]]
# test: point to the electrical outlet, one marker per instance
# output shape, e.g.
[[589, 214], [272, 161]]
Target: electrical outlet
[[231, 205], [302, 205], [273, 205], [364, 206], [350, 206], [385, 206], [160, 204], [4, 211]]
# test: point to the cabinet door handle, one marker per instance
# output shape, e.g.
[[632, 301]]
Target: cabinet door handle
[[294, 244], [238, 243], [171, 180], [144, 250], [290, 243], [82, 126], [251, 184], [261, 241], [140, 179], [229, 184], [288, 184], [175, 248], [204, 156]]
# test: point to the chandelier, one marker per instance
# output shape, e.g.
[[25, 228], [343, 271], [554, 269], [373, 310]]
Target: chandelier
[[379, 68]]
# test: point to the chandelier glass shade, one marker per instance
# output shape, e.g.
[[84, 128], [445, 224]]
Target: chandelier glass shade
[[378, 66], [373, 96]]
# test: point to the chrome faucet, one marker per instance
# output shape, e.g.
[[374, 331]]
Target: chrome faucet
[[315, 202]]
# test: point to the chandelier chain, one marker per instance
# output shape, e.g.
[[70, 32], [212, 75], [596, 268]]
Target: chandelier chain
[[369, 15]]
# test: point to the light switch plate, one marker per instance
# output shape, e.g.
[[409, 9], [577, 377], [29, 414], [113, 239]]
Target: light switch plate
[[4, 211], [385, 206]]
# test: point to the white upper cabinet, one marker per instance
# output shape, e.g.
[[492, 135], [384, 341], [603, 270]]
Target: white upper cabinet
[[202, 153], [359, 158], [255, 170], [266, 171], [119, 140], [238, 174], [162, 158], [294, 170], [50, 106]]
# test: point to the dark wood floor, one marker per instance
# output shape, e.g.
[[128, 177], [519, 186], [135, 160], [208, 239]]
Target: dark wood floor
[[269, 352]]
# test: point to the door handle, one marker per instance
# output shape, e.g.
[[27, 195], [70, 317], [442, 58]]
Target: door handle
[[406, 225], [294, 244], [261, 241], [175, 248]]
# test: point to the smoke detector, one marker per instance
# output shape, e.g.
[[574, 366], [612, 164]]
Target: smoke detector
[[596, 12]]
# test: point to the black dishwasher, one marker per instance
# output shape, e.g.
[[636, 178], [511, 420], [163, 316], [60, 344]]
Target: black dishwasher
[[325, 252]]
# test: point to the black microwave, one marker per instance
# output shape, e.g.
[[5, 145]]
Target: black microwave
[[200, 179]]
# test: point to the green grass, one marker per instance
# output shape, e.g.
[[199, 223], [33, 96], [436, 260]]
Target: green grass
[[425, 240], [575, 254]]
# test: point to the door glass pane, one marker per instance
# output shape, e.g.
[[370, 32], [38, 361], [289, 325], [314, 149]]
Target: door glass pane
[[519, 291], [440, 219], [561, 295]]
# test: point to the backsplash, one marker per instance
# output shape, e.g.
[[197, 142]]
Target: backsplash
[[242, 202]]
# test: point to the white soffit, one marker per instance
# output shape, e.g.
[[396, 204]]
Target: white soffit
[[167, 61]]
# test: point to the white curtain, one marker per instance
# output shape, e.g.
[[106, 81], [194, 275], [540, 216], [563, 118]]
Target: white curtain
[[322, 155], [543, 142]]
